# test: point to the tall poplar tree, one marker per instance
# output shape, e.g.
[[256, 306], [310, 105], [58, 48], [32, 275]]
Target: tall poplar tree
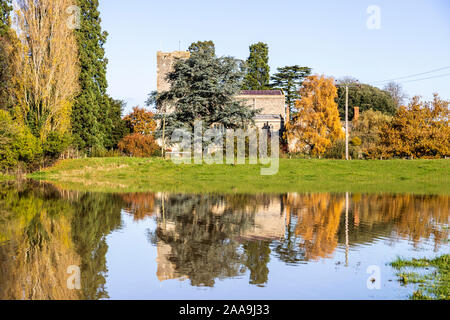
[[91, 105], [258, 70]]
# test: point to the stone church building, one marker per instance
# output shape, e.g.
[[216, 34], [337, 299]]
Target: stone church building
[[271, 102]]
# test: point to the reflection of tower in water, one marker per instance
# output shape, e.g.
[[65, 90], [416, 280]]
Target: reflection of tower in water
[[255, 220]]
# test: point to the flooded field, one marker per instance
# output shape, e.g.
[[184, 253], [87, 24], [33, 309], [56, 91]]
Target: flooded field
[[58, 244]]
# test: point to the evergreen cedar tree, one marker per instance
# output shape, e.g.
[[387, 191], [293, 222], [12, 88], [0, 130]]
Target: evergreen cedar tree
[[257, 67], [290, 79], [203, 87], [203, 45]]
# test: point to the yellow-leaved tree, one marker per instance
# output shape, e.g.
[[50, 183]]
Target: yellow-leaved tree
[[316, 125], [46, 66], [420, 130]]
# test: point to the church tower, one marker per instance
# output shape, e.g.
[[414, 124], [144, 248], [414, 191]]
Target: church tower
[[165, 62]]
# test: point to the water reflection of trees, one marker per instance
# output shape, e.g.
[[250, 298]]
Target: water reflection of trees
[[201, 231], [140, 205], [204, 238], [43, 231], [36, 246], [210, 237], [95, 216], [413, 217]]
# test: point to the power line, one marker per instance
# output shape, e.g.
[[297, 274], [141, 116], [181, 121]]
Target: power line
[[413, 75], [439, 76]]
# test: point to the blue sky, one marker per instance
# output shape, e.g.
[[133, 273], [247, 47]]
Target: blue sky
[[329, 36]]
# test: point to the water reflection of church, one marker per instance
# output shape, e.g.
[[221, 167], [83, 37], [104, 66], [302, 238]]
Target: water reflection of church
[[207, 237], [261, 223]]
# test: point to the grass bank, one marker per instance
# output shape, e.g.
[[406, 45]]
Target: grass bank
[[433, 281], [295, 175]]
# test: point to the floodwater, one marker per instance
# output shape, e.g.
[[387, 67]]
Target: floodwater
[[57, 244]]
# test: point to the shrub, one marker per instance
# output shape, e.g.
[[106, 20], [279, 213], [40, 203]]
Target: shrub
[[104, 153], [17, 144], [368, 130], [336, 150], [356, 141], [138, 145], [55, 144]]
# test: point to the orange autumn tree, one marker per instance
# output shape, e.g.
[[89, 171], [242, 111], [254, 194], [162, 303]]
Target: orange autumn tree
[[316, 125], [141, 121], [420, 130], [141, 142]]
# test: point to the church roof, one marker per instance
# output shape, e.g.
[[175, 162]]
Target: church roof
[[261, 93]]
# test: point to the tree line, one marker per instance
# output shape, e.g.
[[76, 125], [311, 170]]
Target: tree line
[[53, 98], [53, 83], [204, 87]]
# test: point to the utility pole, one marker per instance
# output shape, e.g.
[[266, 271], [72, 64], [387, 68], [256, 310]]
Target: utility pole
[[346, 124], [347, 155], [163, 147]]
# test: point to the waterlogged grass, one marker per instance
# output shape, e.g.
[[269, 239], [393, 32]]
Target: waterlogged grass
[[294, 175], [433, 281]]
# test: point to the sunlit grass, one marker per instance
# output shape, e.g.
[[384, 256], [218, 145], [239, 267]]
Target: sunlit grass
[[295, 175]]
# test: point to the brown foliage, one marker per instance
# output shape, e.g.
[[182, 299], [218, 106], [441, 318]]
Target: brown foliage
[[138, 145], [141, 121]]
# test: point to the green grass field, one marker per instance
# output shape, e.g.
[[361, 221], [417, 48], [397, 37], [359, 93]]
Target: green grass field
[[295, 175]]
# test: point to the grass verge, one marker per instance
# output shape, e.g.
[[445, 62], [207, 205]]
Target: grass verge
[[295, 175]]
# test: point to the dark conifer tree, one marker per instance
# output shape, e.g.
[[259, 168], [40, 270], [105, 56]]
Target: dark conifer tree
[[258, 70], [91, 106]]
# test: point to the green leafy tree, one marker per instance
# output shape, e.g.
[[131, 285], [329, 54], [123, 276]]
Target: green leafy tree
[[203, 45], [290, 79], [55, 144], [88, 114], [366, 97], [17, 144], [258, 70], [5, 21], [115, 127], [204, 87]]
